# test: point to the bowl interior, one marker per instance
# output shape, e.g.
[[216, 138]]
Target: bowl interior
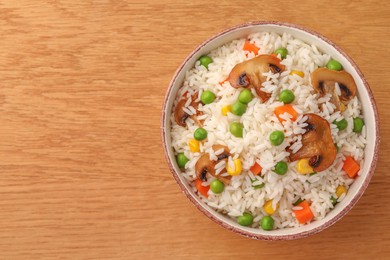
[[369, 112]]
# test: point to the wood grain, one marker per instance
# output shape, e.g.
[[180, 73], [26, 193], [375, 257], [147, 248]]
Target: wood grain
[[83, 174]]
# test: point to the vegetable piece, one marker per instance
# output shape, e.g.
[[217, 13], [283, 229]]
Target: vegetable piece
[[303, 166], [200, 134], [297, 202], [245, 96], [334, 65], [217, 186], [342, 107], [204, 165], [181, 116], [236, 129], [341, 125], [333, 200], [256, 169], [256, 187], [358, 124], [194, 145], [286, 96], [276, 138], [281, 168], [289, 109], [207, 97], [268, 207], [237, 168], [323, 81], [249, 73], [340, 190], [313, 173], [238, 108], [351, 167], [202, 189], [297, 72], [245, 220], [181, 160], [250, 47], [205, 61], [282, 51], [305, 214], [267, 223], [226, 109], [317, 144]]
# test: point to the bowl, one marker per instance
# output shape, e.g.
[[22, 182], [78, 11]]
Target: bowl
[[368, 107]]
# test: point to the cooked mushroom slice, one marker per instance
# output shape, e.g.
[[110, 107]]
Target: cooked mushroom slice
[[204, 165], [181, 116], [250, 73], [323, 81], [317, 144]]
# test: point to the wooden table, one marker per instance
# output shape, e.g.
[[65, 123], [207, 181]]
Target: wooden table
[[83, 174]]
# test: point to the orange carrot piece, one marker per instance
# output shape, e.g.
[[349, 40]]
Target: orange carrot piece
[[305, 214], [250, 47], [351, 167], [286, 108], [202, 189], [256, 169]]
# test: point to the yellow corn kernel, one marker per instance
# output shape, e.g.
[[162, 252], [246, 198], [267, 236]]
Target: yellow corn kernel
[[303, 167], [194, 145], [268, 207], [340, 191], [226, 109], [237, 168], [297, 72], [342, 107]]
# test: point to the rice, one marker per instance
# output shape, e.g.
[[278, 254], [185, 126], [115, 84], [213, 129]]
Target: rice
[[259, 121]]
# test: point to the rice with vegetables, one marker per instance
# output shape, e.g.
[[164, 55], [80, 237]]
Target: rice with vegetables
[[268, 130]]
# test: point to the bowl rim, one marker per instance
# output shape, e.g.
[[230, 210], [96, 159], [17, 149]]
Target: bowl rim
[[242, 232]]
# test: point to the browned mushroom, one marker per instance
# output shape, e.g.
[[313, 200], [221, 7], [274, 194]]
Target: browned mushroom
[[317, 144], [204, 165], [323, 81], [250, 73], [181, 116]]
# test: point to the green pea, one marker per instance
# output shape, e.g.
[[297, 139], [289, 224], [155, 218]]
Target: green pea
[[358, 124], [245, 220], [276, 138], [245, 96], [200, 134], [286, 96], [334, 65], [333, 200], [342, 124], [297, 202], [181, 160], [256, 187], [217, 186], [238, 108], [282, 51], [236, 129], [281, 168], [207, 97], [205, 61], [313, 173], [267, 223]]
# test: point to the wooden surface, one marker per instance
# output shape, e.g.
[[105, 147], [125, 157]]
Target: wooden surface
[[83, 174]]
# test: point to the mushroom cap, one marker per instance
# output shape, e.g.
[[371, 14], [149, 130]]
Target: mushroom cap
[[250, 73], [204, 165], [323, 81], [181, 116], [317, 144]]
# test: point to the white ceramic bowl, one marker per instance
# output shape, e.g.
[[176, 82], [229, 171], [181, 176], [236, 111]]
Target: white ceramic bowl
[[370, 118]]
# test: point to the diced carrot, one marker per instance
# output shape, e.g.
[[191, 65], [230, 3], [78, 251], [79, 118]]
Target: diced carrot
[[351, 167], [256, 169], [202, 189], [250, 47], [305, 214], [286, 109]]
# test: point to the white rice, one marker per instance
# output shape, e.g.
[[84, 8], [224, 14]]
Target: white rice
[[259, 121]]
